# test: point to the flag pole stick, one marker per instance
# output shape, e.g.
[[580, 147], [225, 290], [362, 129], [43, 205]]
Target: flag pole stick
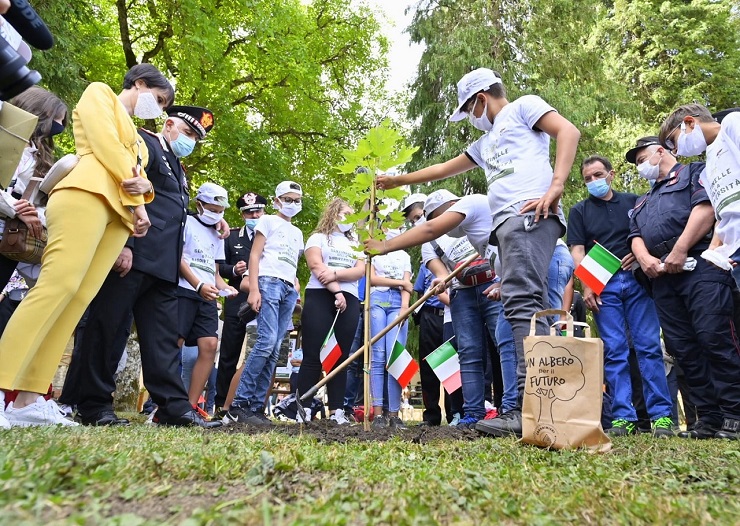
[[364, 350]]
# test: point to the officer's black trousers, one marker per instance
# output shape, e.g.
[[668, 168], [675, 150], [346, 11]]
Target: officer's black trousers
[[232, 340], [696, 314], [154, 304]]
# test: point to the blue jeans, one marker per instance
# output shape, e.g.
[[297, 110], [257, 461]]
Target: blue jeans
[[384, 309], [625, 303], [189, 354], [558, 274], [472, 314], [278, 301]]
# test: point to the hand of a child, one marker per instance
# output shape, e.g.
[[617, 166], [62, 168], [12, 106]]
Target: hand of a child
[[208, 292], [255, 300]]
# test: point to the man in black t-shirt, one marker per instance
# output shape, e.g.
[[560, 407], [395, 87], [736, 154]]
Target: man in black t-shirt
[[604, 217]]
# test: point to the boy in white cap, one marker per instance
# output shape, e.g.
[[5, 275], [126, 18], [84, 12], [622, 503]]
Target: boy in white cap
[[273, 291], [523, 194], [200, 283]]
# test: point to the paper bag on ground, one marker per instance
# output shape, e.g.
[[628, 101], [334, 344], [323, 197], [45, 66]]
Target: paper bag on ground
[[16, 126], [563, 389]]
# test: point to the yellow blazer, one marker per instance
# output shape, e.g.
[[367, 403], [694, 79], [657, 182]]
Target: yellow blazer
[[108, 145]]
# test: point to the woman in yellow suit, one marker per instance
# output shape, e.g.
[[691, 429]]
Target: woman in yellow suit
[[90, 215]]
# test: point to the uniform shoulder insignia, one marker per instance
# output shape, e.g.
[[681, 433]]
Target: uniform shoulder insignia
[[641, 201]]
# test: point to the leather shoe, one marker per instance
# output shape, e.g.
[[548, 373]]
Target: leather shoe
[[189, 419], [730, 430], [699, 431], [103, 418]]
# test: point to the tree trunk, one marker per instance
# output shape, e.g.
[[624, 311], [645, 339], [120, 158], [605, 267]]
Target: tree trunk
[[127, 384]]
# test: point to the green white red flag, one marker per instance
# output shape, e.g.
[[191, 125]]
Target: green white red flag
[[446, 365], [401, 365], [597, 268], [330, 352]]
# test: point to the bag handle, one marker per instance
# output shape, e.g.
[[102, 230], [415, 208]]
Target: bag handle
[[586, 328], [551, 312]]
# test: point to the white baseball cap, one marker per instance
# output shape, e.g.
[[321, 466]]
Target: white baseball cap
[[412, 200], [437, 199], [286, 187], [477, 80], [213, 194]]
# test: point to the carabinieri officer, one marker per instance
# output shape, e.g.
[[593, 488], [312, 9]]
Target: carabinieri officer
[[673, 221]]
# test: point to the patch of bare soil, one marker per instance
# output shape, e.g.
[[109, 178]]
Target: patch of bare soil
[[329, 432]]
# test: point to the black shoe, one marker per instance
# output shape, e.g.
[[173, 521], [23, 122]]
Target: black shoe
[[395, 422], [103, 418], [189, 419], [700, 431], [508, 424], [379, 422], [246, 416], [730, 430]]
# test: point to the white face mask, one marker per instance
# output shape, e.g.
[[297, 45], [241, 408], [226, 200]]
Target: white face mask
[[480, 123], [649, 171], [691, 144], [210, 218], [343, 227], [147, 106], [289, 209]]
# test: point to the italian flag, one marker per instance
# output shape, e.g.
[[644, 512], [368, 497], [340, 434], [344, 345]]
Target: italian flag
[[446, 366], [597, 268], [330, 352], [401, 365]]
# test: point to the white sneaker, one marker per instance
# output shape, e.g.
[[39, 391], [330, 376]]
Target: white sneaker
[[339, 417], [455, 419], [39, 413], [65, 409], [4, 423]]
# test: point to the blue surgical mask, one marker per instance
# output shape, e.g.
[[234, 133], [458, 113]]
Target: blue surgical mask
[[251, 223], [598, 187], [182, 146]]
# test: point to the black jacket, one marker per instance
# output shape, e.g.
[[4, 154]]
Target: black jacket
[[159, 252], [237, 247]]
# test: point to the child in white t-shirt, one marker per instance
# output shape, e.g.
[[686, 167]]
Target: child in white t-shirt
[[523, 193], [390, 277], [200, 283], [273, 291]]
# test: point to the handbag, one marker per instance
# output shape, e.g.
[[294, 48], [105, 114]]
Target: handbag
[[18, 242], [477, 272], [16, 127], [58, 171]]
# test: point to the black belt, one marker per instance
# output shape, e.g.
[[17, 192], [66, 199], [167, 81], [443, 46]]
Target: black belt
[[288, 283], [435, 310]]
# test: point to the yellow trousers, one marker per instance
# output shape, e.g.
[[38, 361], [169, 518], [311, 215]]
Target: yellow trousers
[[86, 237]]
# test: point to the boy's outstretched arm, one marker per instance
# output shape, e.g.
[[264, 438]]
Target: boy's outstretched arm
[[454, 166]]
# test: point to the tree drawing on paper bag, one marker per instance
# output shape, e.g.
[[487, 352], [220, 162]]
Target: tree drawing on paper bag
[[553, 373]]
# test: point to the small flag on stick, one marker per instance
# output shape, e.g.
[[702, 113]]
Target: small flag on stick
[[330, 351], [401, 365], [597, 268], [446, 365]]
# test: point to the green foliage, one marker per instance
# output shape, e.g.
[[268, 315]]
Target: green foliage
[[381, 149], [614, 69]]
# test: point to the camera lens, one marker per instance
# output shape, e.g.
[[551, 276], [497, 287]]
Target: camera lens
[[15, 77]]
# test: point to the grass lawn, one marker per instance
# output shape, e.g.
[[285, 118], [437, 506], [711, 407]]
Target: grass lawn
[[147, 475]]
